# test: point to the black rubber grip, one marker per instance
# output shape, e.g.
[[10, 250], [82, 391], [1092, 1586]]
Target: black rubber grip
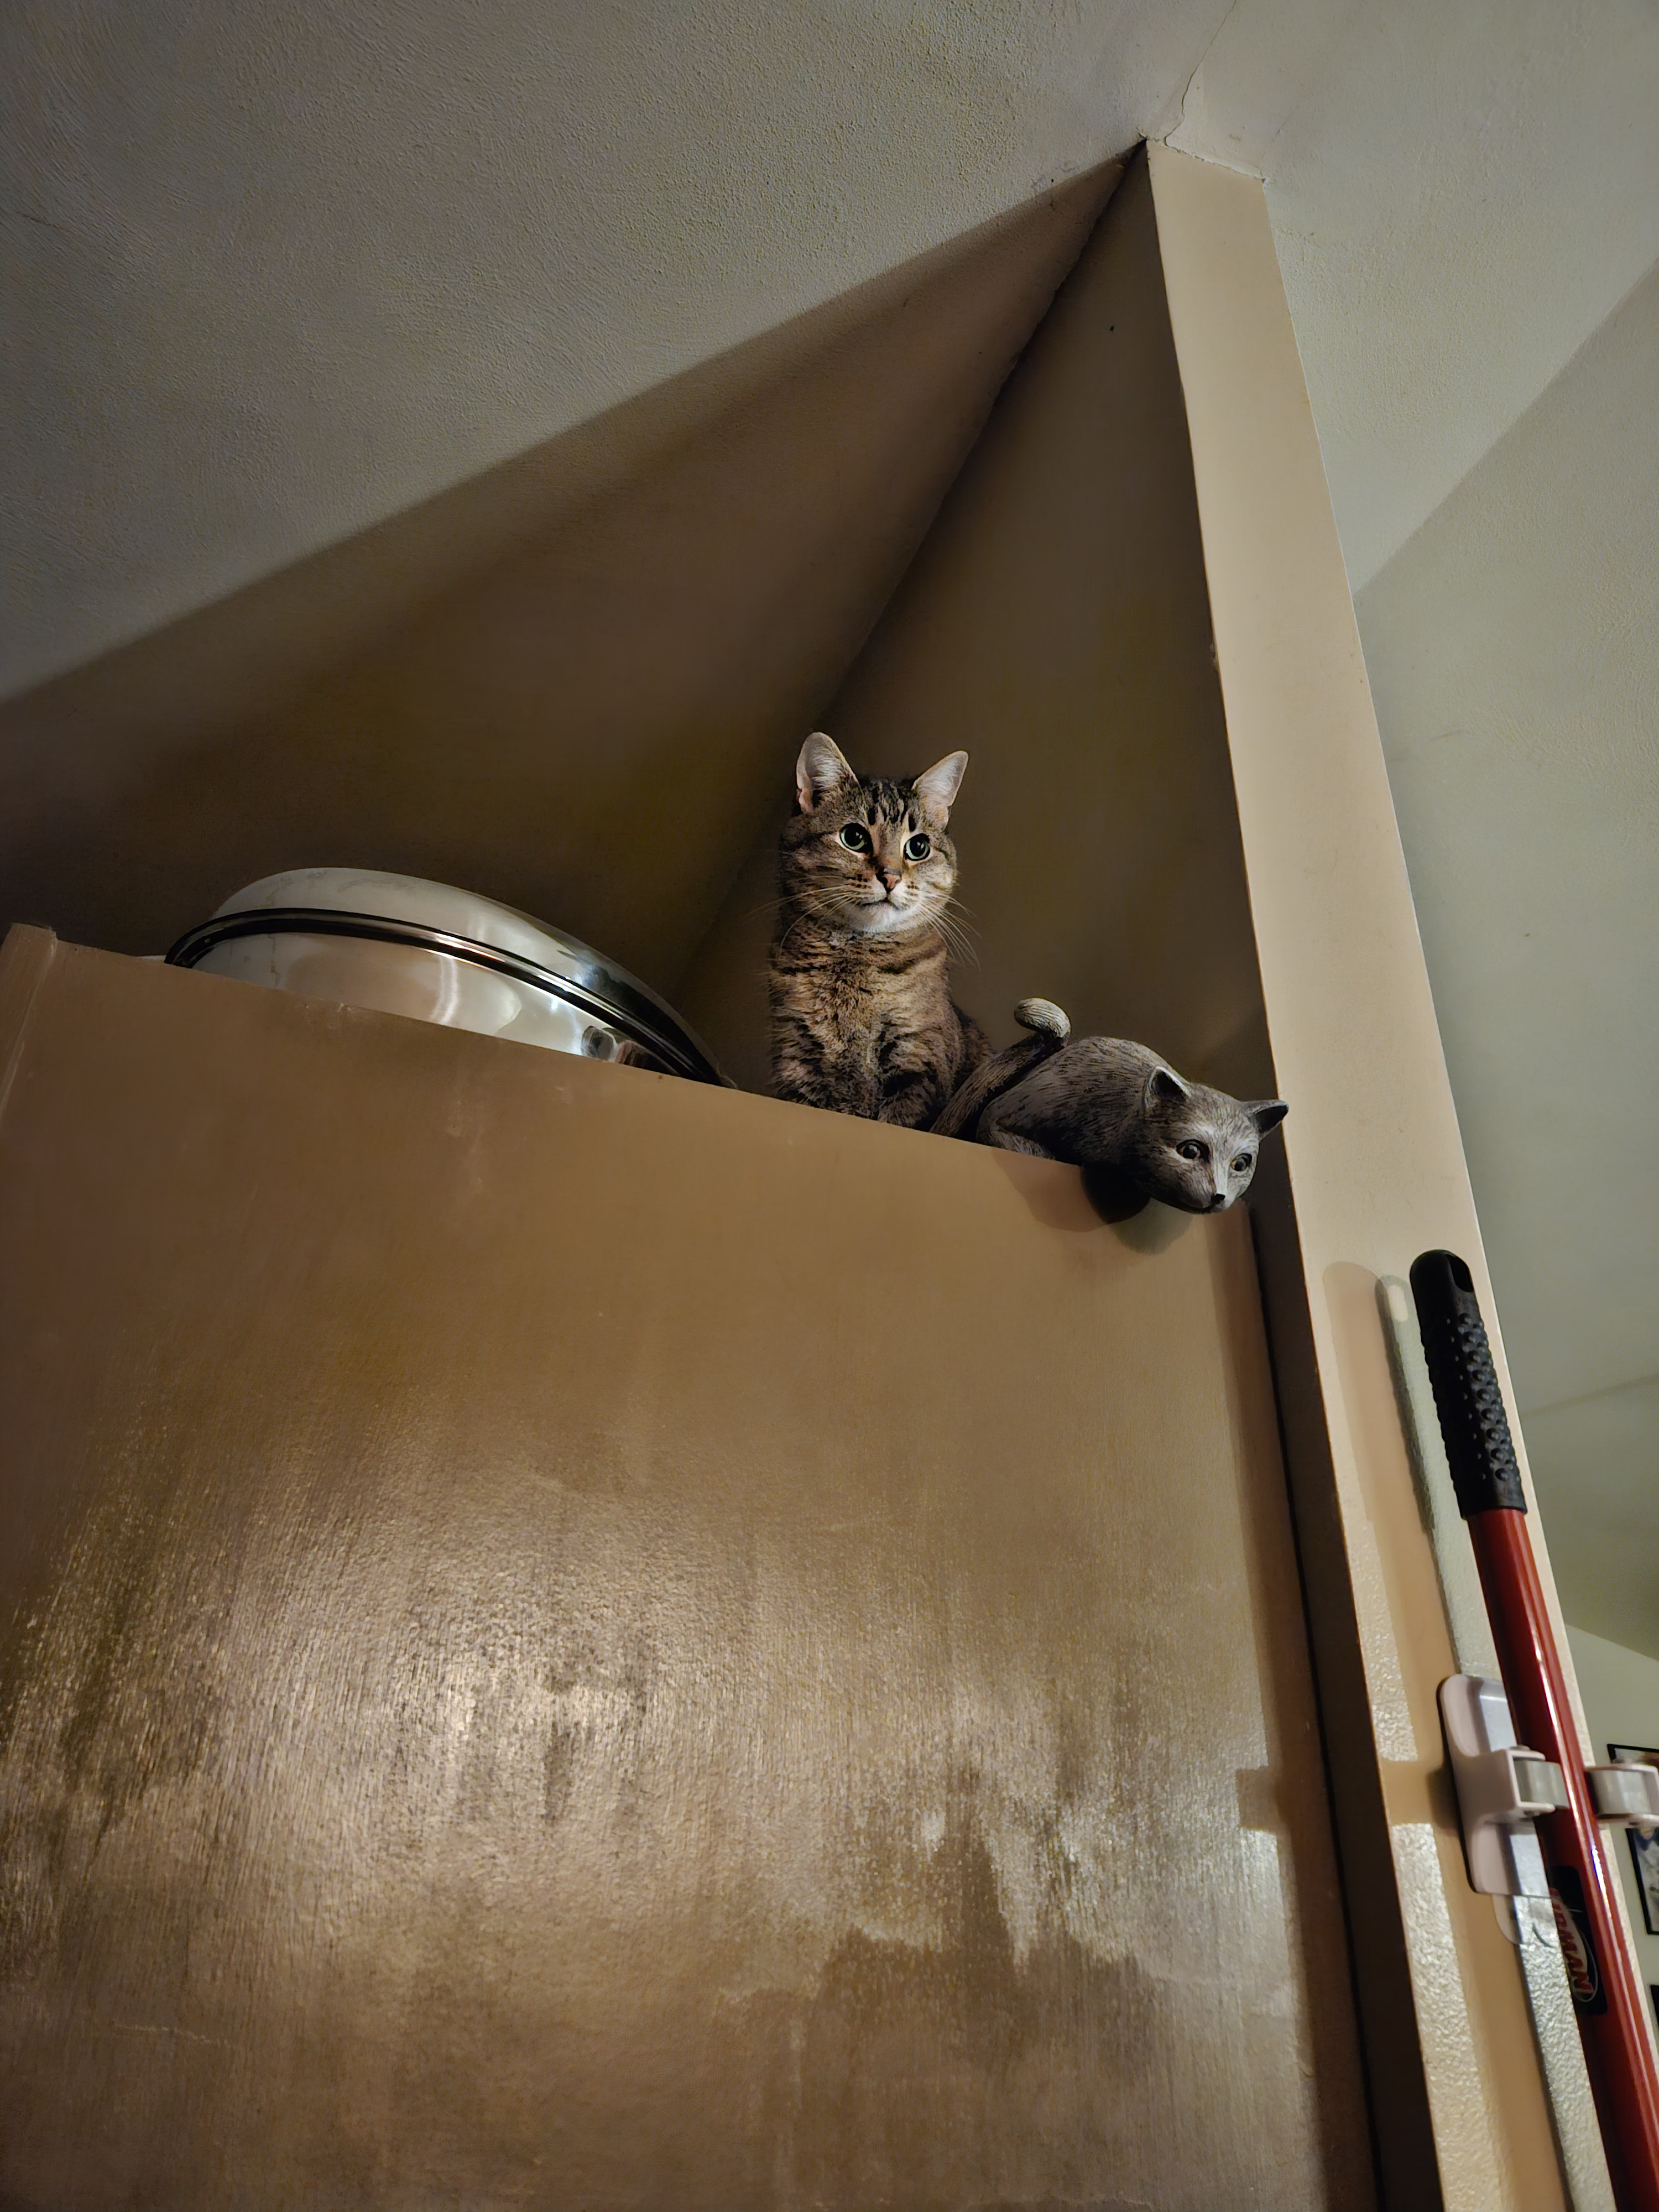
[[1467, 1397]]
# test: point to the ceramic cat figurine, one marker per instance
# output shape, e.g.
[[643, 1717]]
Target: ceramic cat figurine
[[1106, 1103], [862, 1018]]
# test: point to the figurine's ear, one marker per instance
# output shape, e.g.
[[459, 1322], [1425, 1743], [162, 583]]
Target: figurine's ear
[[1266, 1112], [822, 767], [936, 787], [1165, 1088]]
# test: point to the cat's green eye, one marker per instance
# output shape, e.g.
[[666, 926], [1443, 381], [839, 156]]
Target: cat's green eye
[[856, 839], [917, 849], [1242, 1164], [1192, 1150]]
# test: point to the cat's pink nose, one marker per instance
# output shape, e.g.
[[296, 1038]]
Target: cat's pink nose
[[889, 877]]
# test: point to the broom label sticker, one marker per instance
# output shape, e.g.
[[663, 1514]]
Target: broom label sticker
[[1577, 1951]]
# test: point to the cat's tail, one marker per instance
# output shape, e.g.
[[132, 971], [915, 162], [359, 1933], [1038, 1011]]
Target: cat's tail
[[1049, 1028]]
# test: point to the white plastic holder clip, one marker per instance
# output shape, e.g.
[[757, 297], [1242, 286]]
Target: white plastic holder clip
[[1502, 1788], [1627, 1791]]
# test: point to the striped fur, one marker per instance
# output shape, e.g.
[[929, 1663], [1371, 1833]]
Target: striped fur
[[862, 1018]]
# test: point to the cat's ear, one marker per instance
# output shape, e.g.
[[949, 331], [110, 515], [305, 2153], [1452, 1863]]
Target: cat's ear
[[1265, 1113], [938, 787], [1165, 1088], [822, 767]]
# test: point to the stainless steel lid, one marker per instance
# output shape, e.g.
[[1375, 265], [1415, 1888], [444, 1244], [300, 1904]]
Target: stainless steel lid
[[439, 918]]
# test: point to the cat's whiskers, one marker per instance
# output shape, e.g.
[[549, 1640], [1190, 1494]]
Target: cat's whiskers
[[962, 918], [955, 936]]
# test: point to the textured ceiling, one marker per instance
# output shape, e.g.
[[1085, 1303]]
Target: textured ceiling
[[1460, 195], [287, 270], [282, 270]]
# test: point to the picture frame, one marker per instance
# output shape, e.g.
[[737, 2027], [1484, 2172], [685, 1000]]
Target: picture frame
[[1644, 1850]]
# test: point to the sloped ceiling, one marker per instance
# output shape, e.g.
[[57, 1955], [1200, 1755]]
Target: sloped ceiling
[[292, 268], [571, 683], [1460, 193], [285, 272]]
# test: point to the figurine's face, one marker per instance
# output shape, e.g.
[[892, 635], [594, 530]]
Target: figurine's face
[[1197, 1148]]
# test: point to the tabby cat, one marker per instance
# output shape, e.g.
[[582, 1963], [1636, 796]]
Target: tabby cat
[[1106, 1103], [862, 1018]]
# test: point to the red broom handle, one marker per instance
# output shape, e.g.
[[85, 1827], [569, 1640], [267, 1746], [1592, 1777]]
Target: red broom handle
[[1618, 2051], [1608, 1999]]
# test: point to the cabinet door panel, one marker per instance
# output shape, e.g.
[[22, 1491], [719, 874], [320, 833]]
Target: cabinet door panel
[[577, 1641]]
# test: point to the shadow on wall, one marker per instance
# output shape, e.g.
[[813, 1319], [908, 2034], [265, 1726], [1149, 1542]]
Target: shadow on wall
[[1057, 623], [568, 683]]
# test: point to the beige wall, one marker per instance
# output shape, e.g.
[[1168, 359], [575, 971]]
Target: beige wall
[[1375, 1167], [1515, 661], [570, 684], [1056, 624]]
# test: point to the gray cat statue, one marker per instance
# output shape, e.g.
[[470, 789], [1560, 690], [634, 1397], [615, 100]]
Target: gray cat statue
[[1115, 1108]]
